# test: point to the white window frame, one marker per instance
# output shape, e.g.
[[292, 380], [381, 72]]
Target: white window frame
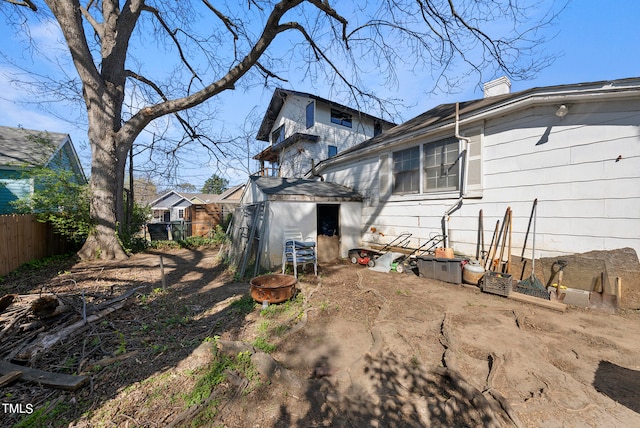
[[444, 164], [406, 161]]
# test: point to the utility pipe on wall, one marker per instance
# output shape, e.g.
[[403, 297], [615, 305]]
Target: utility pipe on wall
[[463, 178]]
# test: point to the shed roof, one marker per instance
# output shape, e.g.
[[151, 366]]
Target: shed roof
[[298, 189], [28, 148]]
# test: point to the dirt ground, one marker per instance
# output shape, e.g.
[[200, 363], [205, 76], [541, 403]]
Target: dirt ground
[[372, 349]]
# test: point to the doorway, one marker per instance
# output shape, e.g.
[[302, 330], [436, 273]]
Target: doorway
[[328, 227]]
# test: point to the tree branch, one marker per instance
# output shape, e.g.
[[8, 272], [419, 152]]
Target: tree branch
[[27, 3], [172, 34], [271, 29], [97, 27]]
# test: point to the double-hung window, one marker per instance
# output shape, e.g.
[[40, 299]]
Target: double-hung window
[[427, 168], [406, 171], [441, 166]]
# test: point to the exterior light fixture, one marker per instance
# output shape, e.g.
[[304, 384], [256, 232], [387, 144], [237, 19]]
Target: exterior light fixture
[[562, 111]]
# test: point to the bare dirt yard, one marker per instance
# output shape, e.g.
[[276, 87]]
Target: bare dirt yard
[[355, 348]]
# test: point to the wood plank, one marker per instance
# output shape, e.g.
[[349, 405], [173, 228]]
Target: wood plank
[[10, 377], [556, 306], [50, 379]]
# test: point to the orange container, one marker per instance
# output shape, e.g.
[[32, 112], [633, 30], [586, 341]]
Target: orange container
[[444, 253]]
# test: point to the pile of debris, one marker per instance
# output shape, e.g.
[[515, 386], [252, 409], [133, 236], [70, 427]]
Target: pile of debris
[[31, 324]]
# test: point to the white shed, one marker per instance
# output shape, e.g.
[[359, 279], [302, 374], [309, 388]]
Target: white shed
[[327, 213]]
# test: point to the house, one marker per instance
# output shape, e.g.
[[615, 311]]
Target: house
[[22, 150], [302, 128], [202, 212], [324, 212], [575, 148], [174, 206]]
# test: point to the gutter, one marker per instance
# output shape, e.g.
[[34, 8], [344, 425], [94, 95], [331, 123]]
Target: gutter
[[463, 178], [529, 100]]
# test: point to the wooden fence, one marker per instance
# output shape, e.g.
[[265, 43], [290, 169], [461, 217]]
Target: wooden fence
[[23, 238]]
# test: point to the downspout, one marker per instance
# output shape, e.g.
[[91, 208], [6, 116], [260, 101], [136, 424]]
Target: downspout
[[314, 173], [463, 179]]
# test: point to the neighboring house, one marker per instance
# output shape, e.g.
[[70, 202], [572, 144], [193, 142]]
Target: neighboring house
[[575, 148], [22, 150], [311, 207], [202, 211], [172, 206], [303, 128], [175, 206]]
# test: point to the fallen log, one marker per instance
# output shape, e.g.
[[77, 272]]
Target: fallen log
[[50, 379], [49, 340]]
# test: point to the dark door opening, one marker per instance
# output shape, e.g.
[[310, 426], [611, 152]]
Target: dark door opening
[[328, 232], [329, 220]]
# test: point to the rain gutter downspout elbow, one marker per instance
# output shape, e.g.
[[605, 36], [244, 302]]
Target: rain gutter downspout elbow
[[314, 173], [463, 178]]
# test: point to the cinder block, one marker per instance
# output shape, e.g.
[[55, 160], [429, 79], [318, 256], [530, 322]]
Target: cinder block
[[576, 297]]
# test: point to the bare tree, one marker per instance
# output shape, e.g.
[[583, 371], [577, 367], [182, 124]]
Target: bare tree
[[235, 46]]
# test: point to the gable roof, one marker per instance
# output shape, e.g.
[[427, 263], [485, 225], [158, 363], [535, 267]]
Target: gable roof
[[279, 188], [200, 198], [175, 199], [180, 199], [443, 115], [232, 191], [22, 148], [278, 99]]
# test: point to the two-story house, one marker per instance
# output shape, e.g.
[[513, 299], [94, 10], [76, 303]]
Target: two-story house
[[302, 129]]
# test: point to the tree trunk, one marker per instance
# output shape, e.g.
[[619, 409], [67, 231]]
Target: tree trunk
[[103, 242], [108, 159]]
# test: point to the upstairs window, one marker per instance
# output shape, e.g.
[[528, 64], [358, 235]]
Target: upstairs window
[[377, 128], [406, 171], [340, 118], [333, 150], [311, 111], [277, 136], [441, 166]]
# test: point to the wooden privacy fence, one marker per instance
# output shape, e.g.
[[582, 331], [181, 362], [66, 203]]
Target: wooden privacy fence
[[23, 238]]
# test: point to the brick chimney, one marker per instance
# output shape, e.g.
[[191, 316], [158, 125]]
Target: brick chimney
[[499, 86]]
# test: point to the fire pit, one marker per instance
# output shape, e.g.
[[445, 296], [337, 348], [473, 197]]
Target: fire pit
[[273, 288]]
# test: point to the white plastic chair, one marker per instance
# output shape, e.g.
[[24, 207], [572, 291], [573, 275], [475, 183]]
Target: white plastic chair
[[298, 251]]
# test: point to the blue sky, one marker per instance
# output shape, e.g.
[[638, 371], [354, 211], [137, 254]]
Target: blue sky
[[595, 40]]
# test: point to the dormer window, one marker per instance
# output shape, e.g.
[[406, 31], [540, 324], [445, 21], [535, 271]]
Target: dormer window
[[340, 118], [277, 136]]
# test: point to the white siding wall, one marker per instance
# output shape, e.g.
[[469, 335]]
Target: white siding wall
[[303, 215], [586, 200]]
